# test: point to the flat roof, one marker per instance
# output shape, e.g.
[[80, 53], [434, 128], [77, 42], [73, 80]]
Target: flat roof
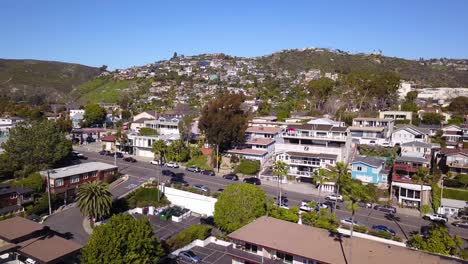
[[412, 159], [78, 169], [373, 119], [17, 227], [454, 203], [48, 249], [411, 186], [263, 129], [375, 129], [319, 244], [247, 151]]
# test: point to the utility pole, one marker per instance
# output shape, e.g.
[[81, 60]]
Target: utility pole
[[48, 191]]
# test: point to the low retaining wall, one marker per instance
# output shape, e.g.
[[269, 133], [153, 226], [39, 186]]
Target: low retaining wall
[[196, 203]]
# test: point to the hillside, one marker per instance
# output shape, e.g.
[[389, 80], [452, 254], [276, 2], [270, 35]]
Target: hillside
[[27, 79], [435, 72]]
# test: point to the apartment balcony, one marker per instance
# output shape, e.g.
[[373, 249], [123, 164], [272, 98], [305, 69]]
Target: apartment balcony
[[406, 167], [250, 257], [401, 178], [293, 134], [312, 163], [461, 165], [308, 174]]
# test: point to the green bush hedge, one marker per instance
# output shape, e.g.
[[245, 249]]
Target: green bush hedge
[[457, 194], [143, 197], [248, 167], [199, 161], [381, 234], [187, 236], [360, 229]]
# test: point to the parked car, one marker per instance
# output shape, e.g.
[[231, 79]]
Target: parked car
[[189, 256], [78, 155], [436, 218], [334, 197], [366, 205], [208, 172], [385, 208], [157, 162], [109, 153], [104, 152], [119, 155], [177, 180], [462, 224], [90, 139], [208, 220], [193, 169], [75, 140], [252, 180], [384, 228], [201, 187], [130, 159], [168, 173], [231, 176], [348, 221], [425, 230], [172, 165], [283, 205]]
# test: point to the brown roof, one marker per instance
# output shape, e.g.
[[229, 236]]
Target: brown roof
[[48, 249], [264, 129], [247, 151], [141, 120], [318, 244], [260, 141], [18, 227], [312, 155], [108, 138], [452, 151]]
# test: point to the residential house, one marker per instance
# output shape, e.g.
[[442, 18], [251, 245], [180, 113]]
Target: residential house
[[139, 123], [397, 115], [141, 145], [371, 131], [433, 129], [418, 149], [164, 125], [308, 147], [263, 132], [250, 153], [76, 120], [409, 133], [453, 160], [464, 128], [25, 241], [453, 135], [326, 121], [7, 123], [451, 207], [66, 180], [73, 112], [12, 198], [150, 114], [369, 170], [272, 241], [108, 142]]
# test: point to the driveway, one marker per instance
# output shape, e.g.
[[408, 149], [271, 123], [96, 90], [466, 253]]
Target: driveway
[[70, 223]]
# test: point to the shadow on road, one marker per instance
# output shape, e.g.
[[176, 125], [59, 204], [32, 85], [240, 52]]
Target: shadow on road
[[396, 220]]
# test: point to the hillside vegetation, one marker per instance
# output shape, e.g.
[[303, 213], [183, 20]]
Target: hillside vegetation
[[23, 80]]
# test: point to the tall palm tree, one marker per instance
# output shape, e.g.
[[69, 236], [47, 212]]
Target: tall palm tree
[[341, 174], [94, 200], [159, 148], [321, 177], [422, 176], [280, 169]]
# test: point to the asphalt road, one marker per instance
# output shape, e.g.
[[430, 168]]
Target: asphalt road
[[139, 172]]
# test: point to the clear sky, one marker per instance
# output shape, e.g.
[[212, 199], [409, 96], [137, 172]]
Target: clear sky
[[126, 33]]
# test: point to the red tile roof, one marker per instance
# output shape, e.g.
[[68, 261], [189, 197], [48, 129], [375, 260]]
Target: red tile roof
[[108, 138]]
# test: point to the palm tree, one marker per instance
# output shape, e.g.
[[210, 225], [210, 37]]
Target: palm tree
[[422, 176], [320, 174], [94, 200], [159, 148], [280, 169], [341, 174]]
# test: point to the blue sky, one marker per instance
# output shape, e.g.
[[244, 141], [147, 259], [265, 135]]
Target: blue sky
[[126, 33]]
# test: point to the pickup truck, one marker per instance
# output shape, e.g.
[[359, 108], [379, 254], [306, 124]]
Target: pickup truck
[[436, 218], [334, 197]]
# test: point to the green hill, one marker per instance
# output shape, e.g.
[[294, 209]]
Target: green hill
[[26, 79], [101, 89]]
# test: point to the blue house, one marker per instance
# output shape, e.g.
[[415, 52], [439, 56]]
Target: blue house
[[369, 170]]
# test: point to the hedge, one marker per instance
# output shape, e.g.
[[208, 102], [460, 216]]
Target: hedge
[[199, 161], [456, 194], [187, 236], [143, 197], [381, 234], [248, 167]]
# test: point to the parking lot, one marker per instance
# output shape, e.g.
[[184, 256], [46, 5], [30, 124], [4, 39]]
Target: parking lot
[[211, 254], [165, 229]]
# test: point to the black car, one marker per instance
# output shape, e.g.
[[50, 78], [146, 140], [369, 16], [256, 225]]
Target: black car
[[208, 172], [90, 139], [75, 140], [177, 180], [193, 169], [253, 180], [385, 208], [209, 220], [130, 159], [168, 173], [119, 155], [231, 176], [103, 152]]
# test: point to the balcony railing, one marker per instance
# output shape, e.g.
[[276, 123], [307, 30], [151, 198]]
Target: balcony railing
[[400, 178], [303, 135], [250, 257], [301, 173], [406, 167], [304, 162]]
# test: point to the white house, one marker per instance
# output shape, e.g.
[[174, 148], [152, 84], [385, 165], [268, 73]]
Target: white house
[[417, 149], [73, 112], [163, 125], [451, 207], [409, 133], [396, 115], [7, 123], [150, 114], [367, 130]]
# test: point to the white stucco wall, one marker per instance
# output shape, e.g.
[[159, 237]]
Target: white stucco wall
[[197, 203]]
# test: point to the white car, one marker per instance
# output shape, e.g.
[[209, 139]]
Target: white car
[[334, 197], [201, 187], [156, 162], [348, 221], [172, 165], [436, 218]]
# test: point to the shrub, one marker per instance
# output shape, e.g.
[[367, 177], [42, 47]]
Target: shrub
[[455, 194], [381, 234], [360, 229], [435, 197], [33, 181], [199, 161], [144, 197], [284, 214], [397, 239], [187, 236], [248, 167], [146, 131], [425, 209]]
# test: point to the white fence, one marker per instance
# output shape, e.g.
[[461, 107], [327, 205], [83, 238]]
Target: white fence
[[196, 203]]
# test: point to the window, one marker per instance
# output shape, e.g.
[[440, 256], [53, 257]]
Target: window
[[75, 179], [410, 194], [14, 196], [85, 176], [92, 174], [417, 194], [59, 182], [403, 192], [285, 257], [359, 168], [251, 248]]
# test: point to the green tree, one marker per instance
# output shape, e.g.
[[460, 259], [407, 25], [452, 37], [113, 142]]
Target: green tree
[[290, 215], [36, 145], [341, 174], [438, 241], [432, 119], [122, 240], [223, 122], [94, 200], [321, 90], [463, 179], [459, 105], [178, 151], [248, 167], [65, 124], [321, 219], [280, 169], [411, 96], [320, 179], [354, 193], [94, 115], [159, 148], [238, 205], [33, 181], [185, 128], [456, 120], [422, 176]]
